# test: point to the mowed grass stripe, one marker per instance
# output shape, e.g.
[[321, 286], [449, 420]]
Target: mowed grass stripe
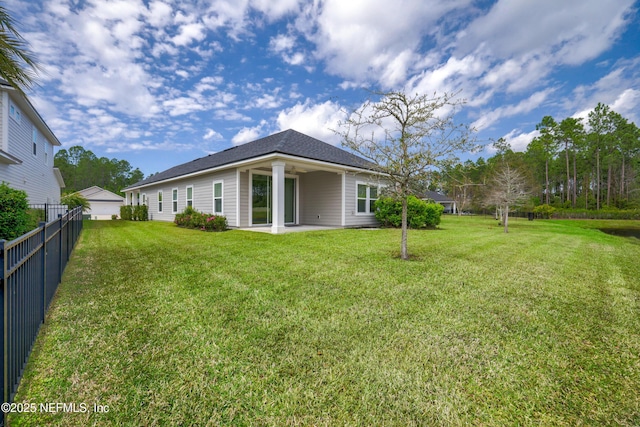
[[178, 327]]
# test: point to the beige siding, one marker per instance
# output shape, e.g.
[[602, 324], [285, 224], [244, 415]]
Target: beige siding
[[202, 195], [34, 176], [244, 199], [352, 218], [321, 198]]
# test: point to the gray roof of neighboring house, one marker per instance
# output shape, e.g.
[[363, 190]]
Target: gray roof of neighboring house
[[436, 197], [288, 142]]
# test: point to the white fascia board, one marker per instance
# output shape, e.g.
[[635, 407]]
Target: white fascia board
[[248, 162]]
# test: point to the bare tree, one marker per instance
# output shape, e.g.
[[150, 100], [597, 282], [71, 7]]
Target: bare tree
[[407, 138], [507, 189]]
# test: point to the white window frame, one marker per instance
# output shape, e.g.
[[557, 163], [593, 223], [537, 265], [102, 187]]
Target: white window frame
[[174, 200], [367, 198], [145, 201], [221, 198], [138, 199], [46, 152], [34, 139], [14, 113], [160, 201], [186, 196]]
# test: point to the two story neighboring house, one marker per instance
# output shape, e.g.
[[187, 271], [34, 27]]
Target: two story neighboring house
[[26, 149]]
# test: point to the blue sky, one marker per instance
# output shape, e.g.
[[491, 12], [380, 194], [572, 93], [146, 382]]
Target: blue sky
[[163, 82]]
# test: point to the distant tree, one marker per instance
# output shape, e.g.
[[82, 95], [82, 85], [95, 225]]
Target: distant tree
[[406, 138], [507, 188], [81, 168], [17, 65]]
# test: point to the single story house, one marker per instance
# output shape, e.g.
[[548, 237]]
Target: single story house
[[447, 202], [26, 149], [103, 202], [283, 179]]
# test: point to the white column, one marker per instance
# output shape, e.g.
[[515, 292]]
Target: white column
[[277, 192]]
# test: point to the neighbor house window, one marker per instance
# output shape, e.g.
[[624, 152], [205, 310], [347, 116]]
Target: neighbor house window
[[46, 152], [160, 201], [217, 197], [144, 199], [34, 139], [131, 199], [14, 113], [366, 197], [190, 196], [174, 200], [138, 199]]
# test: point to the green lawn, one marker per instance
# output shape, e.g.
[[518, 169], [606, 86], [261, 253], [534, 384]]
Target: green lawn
[[167, 326]]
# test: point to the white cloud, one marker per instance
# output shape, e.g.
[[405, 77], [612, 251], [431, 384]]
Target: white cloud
[[525, 106], [248, 134], [281, 43], [316, 120], [212, 134], [189, 33]]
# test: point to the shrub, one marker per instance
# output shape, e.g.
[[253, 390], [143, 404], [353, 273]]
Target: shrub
[[140, 213], [420, 214], [14, 219], [114, 217], [190, 218], [126, 212], [545, 211], [73, 200]]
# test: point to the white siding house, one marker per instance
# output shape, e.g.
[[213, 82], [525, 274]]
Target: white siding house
[[26, 149], [281, 180]]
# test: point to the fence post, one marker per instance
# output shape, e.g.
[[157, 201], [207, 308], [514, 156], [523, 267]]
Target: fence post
[[44, 268], [3, 306], [60, 230]]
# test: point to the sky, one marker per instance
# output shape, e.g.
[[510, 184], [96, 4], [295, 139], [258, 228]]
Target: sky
[[163, 82]]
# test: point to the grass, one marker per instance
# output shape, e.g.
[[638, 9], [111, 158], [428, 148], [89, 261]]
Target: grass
[[167, 326]]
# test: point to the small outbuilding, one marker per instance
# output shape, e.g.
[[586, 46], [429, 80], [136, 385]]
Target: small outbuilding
[[448, 203], [104, 203]]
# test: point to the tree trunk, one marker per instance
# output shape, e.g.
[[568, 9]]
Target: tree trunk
[[404, 254], [506, 218], [566, 154], [622, 178], [609, 184], [598, 178], [546, 173], [575, 182]]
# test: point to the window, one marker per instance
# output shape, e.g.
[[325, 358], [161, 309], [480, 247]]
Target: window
[[14, 113], [34, 139], [217, 197], [138, 199], [366, 197], [174, 200], [160, 201], [144, 199], [190, 196], [131, 199], [46, 152]]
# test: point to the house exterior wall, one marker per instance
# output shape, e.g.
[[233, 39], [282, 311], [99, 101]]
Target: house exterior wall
[[321, 198], [352, 217], [244, 200], [35, 174], [202, 196]]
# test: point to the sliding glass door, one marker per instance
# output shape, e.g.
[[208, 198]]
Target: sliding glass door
[[261, 199]]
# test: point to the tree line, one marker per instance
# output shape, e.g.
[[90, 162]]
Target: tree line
[[573, 163], [81, 169]]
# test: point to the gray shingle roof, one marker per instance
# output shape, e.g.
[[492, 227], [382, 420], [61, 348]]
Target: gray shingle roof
[[288, 142], [436, 197]]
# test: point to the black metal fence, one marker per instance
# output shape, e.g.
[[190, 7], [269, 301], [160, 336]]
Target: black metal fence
[[48, 211], [32, 267]]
